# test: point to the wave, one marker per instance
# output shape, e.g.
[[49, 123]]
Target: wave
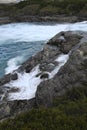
[[27, 82], [13, 64], [28, 32]]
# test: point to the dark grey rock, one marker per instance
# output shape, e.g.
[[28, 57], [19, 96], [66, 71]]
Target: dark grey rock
[[44, 75], [48, 67], [65, 41], [14, 76], [12, 108], [7, 78], [72, 74], [4, 110]]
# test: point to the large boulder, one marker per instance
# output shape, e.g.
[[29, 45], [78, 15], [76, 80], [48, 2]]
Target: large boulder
[[72, 74], [65, 41]]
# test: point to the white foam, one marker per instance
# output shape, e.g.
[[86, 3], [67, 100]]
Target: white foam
[[28, 32], [27, 82], [10, 1], [62, 59], [13, 64], [79, 26]]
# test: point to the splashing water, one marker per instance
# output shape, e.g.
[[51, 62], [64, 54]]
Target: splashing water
[[20, 41], [26, 39], [27, 82]]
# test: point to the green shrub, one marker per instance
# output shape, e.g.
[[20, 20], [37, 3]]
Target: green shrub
[[68, 113], [49, 10], [69, 7]]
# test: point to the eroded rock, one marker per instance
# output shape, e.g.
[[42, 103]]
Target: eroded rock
[[44, 76], [72, 74], [65, 41]]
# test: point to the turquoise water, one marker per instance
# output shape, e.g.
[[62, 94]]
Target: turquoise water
[[23, 50], [20, 41]]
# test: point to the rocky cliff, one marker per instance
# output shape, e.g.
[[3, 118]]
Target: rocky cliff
[[44, 11], [62, 65]]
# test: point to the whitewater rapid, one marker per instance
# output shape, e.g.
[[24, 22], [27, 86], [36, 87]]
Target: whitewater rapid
[[22, 40]]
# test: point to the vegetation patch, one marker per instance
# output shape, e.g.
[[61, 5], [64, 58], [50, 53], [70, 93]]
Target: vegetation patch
[[68, 7], [68, 113], [49, 10]]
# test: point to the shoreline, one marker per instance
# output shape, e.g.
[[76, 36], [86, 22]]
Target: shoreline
[[49, 88], [41, 19]]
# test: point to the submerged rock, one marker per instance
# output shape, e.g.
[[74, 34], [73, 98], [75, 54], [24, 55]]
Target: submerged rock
[[53, 83]]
